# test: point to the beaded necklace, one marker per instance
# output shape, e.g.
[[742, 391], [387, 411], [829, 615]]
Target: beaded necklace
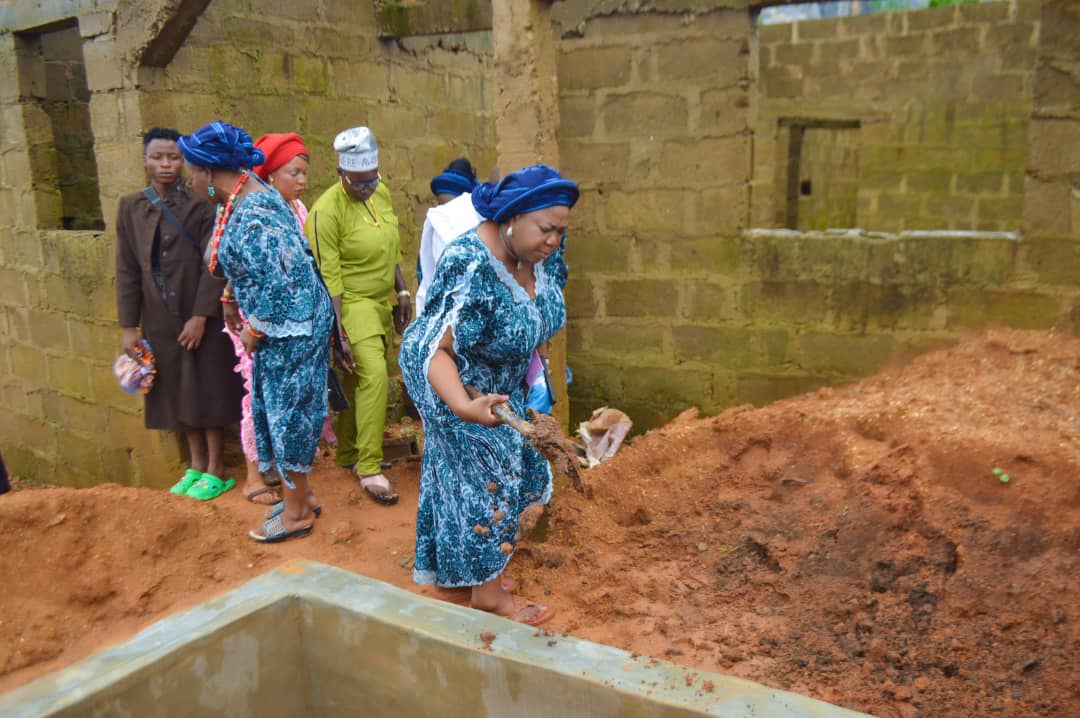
[[222, 219]]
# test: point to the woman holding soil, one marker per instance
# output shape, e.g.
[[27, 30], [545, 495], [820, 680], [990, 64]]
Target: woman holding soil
[[288, 314], [353, 232], [163, 287], [286, 169], [495, 297]]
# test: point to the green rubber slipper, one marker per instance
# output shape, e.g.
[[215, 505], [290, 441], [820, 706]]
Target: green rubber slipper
[[186, 482], [209, 487]]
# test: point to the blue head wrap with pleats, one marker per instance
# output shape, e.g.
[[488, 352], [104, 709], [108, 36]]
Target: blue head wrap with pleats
[[219, 145], [526, 190]]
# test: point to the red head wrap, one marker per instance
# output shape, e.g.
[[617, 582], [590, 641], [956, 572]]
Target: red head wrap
[[279, 148]]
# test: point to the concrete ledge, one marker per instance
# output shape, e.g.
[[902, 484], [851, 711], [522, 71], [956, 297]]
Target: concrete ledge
[[308, 639]]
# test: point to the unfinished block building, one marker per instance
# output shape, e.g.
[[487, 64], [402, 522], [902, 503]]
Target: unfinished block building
[[765, 209]]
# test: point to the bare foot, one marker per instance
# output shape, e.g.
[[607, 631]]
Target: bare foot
[[519, 609]]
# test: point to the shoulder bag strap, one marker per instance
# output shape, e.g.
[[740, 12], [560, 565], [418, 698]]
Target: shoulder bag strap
[[155, 199]]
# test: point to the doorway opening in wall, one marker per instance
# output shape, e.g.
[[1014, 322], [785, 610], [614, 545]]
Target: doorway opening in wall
[[820, 173], [55, 101]]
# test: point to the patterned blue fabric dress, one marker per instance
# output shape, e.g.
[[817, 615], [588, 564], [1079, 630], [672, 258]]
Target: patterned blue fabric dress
[[278, 289], [476, 480]]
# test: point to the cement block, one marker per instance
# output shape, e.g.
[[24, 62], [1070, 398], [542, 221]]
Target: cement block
[[713, 256], [719, 211], [760, 388], [931, 18], [659, 210], [709, 301], [724, 111], [577, 116], [842, 355], [592, 68], [1046, 208], [580, 298], [706, 161], [792, 303], [860, 306], [730, 347], [669, 385], [977, 308], [639, 343], [594, 160], [596, 382], [103, 70], [69, 376], [641, 298], [870, 24], [588, 251], [1056, 261], [639, 114]]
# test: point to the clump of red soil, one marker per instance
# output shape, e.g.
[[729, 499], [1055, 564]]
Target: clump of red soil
[[853, 544], [75, 561]]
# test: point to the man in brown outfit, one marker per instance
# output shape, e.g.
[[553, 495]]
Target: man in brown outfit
[[163, 285]]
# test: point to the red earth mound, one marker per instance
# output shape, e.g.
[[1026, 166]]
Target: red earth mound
[[854, 544]]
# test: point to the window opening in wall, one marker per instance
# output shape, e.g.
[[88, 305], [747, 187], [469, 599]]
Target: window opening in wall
[[796, 11], [55, 101], [822, 173]]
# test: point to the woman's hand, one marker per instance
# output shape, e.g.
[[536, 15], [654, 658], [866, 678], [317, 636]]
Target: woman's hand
[[479, 410], [250, 341], [230, 312], [129, 338], [191, 335], [402, 313]]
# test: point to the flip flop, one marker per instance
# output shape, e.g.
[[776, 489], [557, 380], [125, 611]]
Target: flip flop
[[186, 482], [209, 487], [274, 531], [541, 613], [387, 497], [278, 508], [259, 492]]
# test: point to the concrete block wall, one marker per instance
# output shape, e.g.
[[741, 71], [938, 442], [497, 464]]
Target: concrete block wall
[[1052, 169], [269, 66], [942, 95], [319, 67], [654, 127]]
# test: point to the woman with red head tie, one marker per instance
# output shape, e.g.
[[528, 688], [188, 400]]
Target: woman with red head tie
[[286, 170]]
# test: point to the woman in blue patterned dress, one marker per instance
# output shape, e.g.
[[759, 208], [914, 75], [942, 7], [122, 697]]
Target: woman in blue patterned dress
[[496, 297], [260, 249]]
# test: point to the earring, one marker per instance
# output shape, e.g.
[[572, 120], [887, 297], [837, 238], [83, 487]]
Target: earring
[[510, 231], [210, 190]]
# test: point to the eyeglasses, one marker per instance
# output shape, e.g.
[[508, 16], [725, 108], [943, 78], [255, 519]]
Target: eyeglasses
[[362, 185]]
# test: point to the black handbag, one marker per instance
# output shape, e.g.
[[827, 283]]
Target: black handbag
[[335, 394]]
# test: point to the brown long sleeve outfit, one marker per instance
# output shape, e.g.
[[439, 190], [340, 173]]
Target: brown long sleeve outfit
[[193, 389]]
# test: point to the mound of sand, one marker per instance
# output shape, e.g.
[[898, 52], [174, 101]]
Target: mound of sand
[[853, 544]]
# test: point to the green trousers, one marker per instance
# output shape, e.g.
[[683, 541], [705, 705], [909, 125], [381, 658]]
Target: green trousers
[[360, 427]]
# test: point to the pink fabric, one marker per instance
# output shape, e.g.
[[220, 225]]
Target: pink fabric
[[247, 424], [301, 212]]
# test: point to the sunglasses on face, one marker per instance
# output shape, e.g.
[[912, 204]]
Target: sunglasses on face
[[360, 186]]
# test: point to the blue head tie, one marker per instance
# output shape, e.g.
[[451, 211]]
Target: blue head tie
[[452, 182], [220, 145], [527, 190]]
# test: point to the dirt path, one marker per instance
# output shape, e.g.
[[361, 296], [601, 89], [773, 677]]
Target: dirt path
[[853, 544]]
